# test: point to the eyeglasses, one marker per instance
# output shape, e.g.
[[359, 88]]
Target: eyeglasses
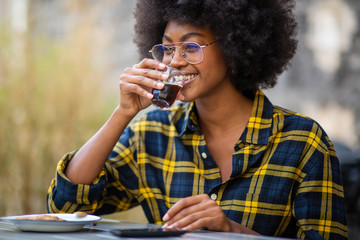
[[190, 51]]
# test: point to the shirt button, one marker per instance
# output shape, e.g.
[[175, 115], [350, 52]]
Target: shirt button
[[213, 196], [204, 155]]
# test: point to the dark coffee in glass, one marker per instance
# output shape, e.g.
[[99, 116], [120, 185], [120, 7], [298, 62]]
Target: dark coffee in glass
[[165, 97]]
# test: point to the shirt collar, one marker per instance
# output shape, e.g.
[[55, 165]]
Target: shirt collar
[[191, 120], [258, 128]]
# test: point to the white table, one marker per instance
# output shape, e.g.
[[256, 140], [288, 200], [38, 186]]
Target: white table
[[102, 231]]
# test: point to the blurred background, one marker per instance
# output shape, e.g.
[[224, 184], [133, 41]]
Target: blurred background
[[60, 61]]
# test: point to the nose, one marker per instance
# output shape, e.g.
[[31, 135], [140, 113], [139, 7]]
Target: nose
[[177, 60]]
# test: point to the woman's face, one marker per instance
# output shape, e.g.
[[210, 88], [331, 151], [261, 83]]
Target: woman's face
[[210, 73]]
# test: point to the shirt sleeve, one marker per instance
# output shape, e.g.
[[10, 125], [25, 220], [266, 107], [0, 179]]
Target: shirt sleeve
[[319, 203], [114, 189]]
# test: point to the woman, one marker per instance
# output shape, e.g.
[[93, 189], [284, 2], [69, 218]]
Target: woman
[[225, 158]]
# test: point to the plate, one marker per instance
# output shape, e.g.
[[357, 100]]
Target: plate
[[72, 222]]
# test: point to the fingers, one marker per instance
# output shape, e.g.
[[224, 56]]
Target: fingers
[[182, 205], [141, 81], [150, 63], [141, 78], [196, 212], [180, 97]]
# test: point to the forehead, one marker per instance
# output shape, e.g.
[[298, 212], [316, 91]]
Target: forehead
[[177, 32]]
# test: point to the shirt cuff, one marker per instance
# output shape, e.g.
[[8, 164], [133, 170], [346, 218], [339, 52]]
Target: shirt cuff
[[78, 193]]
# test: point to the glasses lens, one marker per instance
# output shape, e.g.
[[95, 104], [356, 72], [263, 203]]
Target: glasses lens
[[191, 52], [162, 53], [157, 52]]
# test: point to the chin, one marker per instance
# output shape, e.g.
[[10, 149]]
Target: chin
[[191, 93], [187, 94]]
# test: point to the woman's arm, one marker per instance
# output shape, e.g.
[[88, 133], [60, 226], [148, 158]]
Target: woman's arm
[[90, 159], [135, 94], [319, 206]]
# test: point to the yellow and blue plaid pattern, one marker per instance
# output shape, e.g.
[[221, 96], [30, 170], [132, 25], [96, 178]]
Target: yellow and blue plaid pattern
[[285, 180]]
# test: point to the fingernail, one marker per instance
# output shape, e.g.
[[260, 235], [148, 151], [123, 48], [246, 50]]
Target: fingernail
[[160, 85], [166, 217], [180, 97], [165, 225], [149, 95], [173, 226], [165, 76], [161, 65]]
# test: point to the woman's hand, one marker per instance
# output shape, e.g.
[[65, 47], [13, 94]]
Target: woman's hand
[[136, 85], [197, 212]]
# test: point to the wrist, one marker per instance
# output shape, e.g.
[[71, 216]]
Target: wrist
[[118, 121], [238, 228], [124, 114], [235, 227]]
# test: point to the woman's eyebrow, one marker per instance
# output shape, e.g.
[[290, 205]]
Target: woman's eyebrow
[[184, 37], [191, 34], [167, 38]]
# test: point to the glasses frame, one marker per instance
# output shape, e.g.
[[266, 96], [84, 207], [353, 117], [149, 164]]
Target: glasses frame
[[182, 53]]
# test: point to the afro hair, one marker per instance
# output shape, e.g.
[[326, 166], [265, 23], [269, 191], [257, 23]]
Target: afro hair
[[257, 37]]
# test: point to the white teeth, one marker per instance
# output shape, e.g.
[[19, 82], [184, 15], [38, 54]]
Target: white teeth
[[184, 77]]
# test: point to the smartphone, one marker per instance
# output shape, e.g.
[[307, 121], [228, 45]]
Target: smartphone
[[146, 232]]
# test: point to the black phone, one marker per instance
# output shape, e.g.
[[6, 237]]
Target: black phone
[[146, 232]]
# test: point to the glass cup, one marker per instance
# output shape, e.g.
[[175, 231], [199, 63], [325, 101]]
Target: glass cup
[[165, 98]]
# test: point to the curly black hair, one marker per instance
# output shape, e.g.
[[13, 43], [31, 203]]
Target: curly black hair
[[256, 37]]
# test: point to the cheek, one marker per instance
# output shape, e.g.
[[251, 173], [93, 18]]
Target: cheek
[[215, 63], [214, 71]]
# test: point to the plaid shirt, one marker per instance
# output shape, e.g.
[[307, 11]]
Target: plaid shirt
[[285, 180]]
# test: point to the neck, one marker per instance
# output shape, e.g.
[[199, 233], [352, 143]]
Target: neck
[[224, 113]]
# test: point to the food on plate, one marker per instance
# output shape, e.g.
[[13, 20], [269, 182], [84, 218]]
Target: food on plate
[[41, 217]]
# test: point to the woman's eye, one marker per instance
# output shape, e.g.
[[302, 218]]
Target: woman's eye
[[168, 50], [191, 47]]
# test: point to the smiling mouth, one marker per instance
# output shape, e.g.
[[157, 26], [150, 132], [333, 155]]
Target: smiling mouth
[[185, 77]]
